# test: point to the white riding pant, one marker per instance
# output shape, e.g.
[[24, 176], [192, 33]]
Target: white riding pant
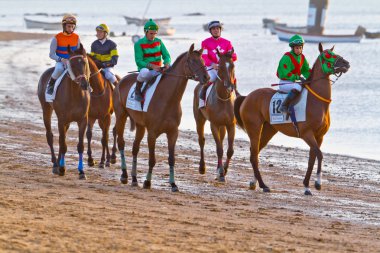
[[58, 70], [109, 74], [287, 86], [146, 74], [213, 75]]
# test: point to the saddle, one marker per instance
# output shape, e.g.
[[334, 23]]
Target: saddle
[[149, 83]]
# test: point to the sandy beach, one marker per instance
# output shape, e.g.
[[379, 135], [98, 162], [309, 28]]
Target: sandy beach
[[41, 212]]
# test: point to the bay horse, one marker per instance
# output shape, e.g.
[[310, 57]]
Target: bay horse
[[252, 114], [101, 109], [163, 115], [220, 112], [71, 104]]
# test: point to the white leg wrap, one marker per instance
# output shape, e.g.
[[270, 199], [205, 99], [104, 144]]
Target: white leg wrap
[[319, 178]]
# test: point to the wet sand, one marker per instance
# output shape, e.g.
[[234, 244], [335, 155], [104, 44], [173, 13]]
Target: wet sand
[[40, 212]]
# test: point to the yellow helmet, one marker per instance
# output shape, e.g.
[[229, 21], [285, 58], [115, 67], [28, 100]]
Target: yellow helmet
[[69, 19], [103, 27]]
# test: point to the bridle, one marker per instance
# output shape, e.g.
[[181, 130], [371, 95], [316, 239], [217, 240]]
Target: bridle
[[78, 78], [226, 85]]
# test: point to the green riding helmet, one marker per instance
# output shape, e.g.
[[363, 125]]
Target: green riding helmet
[[296, 40], [150, 26]]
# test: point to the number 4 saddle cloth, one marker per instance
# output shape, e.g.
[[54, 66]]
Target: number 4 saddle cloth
[[277, 117]]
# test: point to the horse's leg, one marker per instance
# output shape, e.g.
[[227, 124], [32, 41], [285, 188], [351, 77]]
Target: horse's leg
[[172, 139], [140, 131], [121, 119], [315, 152], [104, 124], [113, 155], [219, 150], [152, 159], [230, 150], [82, 129], [318, 181], [200, 121], [47, 112], [62, 128], [90, 160]]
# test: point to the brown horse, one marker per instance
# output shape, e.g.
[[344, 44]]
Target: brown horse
[[252, 114], [101, 109], [164, 113], [70, 105], [219, 111]]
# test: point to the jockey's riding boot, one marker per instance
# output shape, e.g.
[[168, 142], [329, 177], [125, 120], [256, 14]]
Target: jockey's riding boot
[[285, 105], [51, 84], [138, 95], [204, 91]]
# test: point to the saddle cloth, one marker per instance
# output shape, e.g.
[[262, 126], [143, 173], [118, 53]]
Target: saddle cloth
[[136, 105], [277, 117], [51, 97]]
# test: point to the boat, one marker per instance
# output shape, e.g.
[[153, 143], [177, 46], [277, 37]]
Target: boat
[[45, 25], [295, 29], [285, 35], [141, 22], [369, 35], [166, 31]]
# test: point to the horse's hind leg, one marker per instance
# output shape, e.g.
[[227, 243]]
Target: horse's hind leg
[[113, 155], [82, 128], [230, 150], [152, 159], [172, 139], [105, 126], [200, 121], [47, 112], [62, 128], [90, 160], [267, 134], [121, 119], [315, 152], [217, 133], [318, 181], [140, 131]]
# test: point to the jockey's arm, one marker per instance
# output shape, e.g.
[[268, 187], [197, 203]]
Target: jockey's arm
[[305, 69], [53, 48], [285, 68], [139, 57], [165, 54]]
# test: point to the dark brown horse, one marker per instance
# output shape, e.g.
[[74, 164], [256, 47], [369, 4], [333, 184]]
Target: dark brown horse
[[220, 112], [252, 114], [101, 109], [70, 105], [163, 115]]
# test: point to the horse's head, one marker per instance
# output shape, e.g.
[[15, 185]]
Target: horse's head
[[332, 63], [78, 66], [196, 66], [226, 70]]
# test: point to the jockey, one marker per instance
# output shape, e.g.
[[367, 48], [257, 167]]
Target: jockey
[[149, 53], [210, 56], [105, 52], [292, 65], [58, 48]]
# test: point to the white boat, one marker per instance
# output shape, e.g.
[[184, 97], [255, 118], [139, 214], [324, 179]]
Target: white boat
[[295, 29], [285, 35], [45, 25], [141, 22]]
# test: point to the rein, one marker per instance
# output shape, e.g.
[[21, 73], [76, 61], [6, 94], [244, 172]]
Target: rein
[[104, 85]]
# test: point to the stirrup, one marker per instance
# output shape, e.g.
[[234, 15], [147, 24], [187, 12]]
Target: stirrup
[[138, 97], [50, 89]]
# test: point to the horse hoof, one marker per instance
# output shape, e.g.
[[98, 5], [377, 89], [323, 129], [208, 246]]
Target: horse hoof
[[308, 193], [82, 176], [252, 185], [108, 164], [113, 159], [266, 189], [134, 181], [175, 189], [318, 186], [61, 171], [55, 170], [221, 179], [101, 165], [90, 162], [202, 170], [124, 180], [225, 171], [147, 184]]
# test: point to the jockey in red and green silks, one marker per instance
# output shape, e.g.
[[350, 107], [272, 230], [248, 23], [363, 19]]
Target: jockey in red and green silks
[[149, 54], [293, 65]]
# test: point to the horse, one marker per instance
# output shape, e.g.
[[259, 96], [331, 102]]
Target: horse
[[163, 115], [252, 114], [101, 109], [71, 104], [219, 111]]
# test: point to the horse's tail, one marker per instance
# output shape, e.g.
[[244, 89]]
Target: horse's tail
[[132, 126], [238, 101]]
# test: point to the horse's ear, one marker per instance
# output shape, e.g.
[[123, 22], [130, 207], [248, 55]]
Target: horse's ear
[[191, 48], [200, 51], [332, 49], [217, 52], [69, 49], [320, 47], [232, 51]]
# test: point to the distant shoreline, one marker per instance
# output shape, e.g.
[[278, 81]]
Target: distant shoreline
[[8, 36]]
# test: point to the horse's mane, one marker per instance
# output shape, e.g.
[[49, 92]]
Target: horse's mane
[[176, 62], [313, 70]]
